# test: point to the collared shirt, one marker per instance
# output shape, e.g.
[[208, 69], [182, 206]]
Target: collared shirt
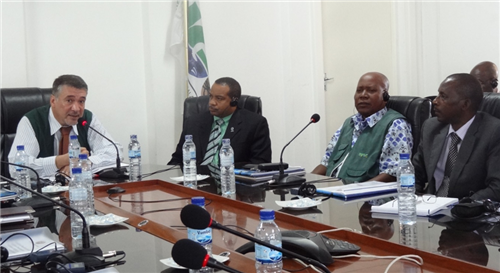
[[103, 152], [397, 140], [223, 128], [439, 172]]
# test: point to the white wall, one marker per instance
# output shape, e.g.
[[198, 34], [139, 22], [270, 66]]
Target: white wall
[[437, 39], [121, 49], [415, 44]]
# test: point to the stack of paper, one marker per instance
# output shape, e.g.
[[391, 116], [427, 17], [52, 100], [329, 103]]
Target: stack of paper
[[357, 190], [426, 208], [252, 176], [20, 246]]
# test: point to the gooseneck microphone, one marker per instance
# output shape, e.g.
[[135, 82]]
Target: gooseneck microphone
[[117, 172], [91, 256], [32, 202], [38, 183], [282, 177], [195, 217], [190, 254]]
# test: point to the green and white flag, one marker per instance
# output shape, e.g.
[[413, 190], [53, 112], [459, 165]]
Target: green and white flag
[[197, 72]]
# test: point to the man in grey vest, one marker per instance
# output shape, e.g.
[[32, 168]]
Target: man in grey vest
[[45, 131], [368, 144]]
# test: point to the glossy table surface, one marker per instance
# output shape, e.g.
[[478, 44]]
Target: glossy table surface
[[477, 245]]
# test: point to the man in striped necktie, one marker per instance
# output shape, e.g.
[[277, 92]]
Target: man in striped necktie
[[45, 131], [248, 131], [459, 151]]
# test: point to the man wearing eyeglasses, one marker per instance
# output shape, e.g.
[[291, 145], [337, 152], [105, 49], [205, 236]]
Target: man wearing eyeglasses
[[459, 150], [487, 74]]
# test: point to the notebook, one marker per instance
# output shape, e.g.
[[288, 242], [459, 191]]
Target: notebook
[[358, 190], [423, 208]]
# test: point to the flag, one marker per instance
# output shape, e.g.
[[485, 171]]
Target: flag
[[197, 68]]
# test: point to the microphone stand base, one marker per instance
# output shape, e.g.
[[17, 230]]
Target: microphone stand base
[[91, 257], [113, 173], [288, 180], [34, 202]]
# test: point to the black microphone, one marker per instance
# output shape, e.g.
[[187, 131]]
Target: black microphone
[[91, 256], [282, 177], [190, 254], [195, 217], [117, 172], [32, 202]]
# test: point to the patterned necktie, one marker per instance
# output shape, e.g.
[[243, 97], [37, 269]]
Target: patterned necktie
[[64, 142], [213, 142], [212, 148], [450, 162]]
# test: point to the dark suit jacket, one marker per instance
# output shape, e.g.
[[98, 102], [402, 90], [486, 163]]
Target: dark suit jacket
[[248, 131], [477, 169]]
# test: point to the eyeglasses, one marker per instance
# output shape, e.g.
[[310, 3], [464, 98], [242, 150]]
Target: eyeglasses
[[426, 198]]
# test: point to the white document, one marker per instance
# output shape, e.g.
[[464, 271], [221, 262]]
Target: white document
[[20, 246], [423, 208]]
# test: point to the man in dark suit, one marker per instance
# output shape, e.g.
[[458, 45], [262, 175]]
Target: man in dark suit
[[487, 75], [248, 131], [459, 151]]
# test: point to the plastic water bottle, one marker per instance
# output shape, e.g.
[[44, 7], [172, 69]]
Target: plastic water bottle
[[407, 201], [73, 151], [189, 162], [408, 235], [87, 181], [78, 201], [134, 156], [201, 236], [268, 260], [227, 184], [22, 175]]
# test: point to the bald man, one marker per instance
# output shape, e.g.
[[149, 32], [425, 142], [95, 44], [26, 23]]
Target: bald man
[[487, 74], [368, 144]]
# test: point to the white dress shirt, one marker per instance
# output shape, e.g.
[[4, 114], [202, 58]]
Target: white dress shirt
[[103, 153]]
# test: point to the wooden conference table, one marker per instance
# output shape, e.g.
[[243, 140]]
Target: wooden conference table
[[443, 246]]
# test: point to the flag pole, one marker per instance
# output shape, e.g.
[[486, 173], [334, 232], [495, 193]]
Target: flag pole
[[186, 41]]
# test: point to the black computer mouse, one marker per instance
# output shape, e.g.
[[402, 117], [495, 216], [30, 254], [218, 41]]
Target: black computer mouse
[[4, 254], [115, 190]]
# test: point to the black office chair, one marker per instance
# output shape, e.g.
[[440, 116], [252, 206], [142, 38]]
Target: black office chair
[[432, 98], [195, 105], [416, 110], [15, 103], [491, 104]]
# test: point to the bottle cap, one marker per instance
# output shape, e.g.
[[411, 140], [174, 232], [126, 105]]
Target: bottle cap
[[76, 170], [198, 200], [73, 137], [266, 214], [20, 147], [404, 156], [83, 156], [188, 137], [133, 136], [226, 141]]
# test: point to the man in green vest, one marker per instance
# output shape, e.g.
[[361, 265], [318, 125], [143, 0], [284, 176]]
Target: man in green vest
[[45, 131], [368, 144]]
